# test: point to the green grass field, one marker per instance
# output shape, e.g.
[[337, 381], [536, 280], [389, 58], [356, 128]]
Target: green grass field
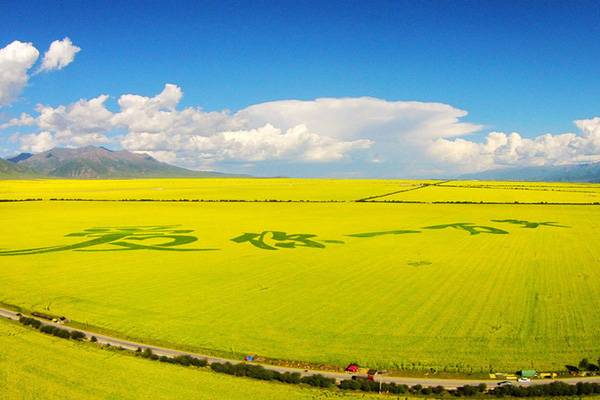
[[456, 286], [35, 366]]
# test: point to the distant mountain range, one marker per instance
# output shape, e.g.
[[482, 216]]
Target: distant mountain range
[[93, 163], [9, 170], [100, 163], [589, 173]]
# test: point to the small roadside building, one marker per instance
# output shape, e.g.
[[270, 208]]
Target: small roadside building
[[527, 373]]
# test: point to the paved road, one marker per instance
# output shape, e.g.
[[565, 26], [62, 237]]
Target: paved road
[[160, 351]]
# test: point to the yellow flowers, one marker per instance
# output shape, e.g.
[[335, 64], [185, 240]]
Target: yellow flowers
[[446, 285]]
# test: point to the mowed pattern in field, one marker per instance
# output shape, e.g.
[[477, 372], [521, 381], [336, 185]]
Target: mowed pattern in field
[[429, 284]]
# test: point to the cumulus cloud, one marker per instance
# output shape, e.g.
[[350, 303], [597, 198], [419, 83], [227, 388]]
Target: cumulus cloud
[[327, 130], [15, 60], [81, 123], [262, 144], [23, 120], [36, 143], [60, 54], [362, 117], [501, 150], [153, 115], [383, 137], [398, 131], [190, 137], [168, 157], [18, 57]]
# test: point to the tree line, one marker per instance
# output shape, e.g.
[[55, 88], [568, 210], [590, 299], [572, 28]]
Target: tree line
[[255, 371], [52, 330]]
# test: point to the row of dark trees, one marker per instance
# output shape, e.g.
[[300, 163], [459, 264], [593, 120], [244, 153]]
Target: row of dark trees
[[52, 330], [260, 372], [30, 321], [184, 360], [16, 200], [367, 385], [552, 389], [254, 371], [242, 369]]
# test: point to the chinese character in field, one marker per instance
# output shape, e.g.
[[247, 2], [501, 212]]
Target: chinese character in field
[[162, 238], [271, 240], [528, 224], [471, 228]]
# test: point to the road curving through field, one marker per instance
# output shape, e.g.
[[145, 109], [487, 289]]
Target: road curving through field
[[161, 351]]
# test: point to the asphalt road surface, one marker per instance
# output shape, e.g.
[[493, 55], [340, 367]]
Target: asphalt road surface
[[161, 351]]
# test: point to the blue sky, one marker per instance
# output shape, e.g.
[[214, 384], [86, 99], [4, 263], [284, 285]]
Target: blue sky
[[307, 88]]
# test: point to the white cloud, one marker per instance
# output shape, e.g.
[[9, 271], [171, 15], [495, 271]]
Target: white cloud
[[15, 60], [271, 143], [327, 130], [384, 138], [502, 150], [153, 115], [18, 57], [81, 123], [198, 138], [188, 137], [263, 144], [36, 143], [23, 120], [60, 54], [168, 157], [399, 131], [363, 117]]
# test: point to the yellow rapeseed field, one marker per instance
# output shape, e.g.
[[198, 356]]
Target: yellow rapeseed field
[[501, 192], [203, 189], [34, 366], [452, 286]]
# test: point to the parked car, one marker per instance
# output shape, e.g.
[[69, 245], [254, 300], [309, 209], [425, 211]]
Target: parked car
[[504, 383], [524, 380]]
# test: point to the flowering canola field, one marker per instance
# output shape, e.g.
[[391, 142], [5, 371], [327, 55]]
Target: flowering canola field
[[397, 285], [36, 366]]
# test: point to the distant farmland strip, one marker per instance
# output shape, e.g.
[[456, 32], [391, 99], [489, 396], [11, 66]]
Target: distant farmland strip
[[420, 186], [201, 189], [491, 194]]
